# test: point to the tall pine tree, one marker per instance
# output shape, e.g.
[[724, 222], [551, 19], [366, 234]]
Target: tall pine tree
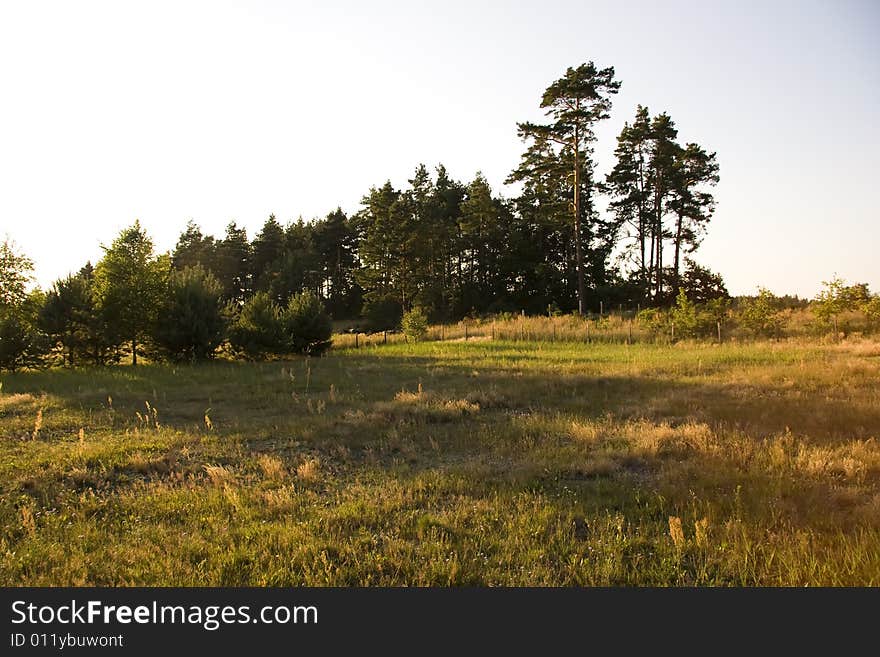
[[562, 148]]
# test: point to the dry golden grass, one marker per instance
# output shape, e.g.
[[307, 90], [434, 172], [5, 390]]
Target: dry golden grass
[[272, 467], [309, 470], [220, 475]]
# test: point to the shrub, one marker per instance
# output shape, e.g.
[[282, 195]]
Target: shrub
[[838, 298], [698, 320], [66, 313], [415, 324], [653, 320], [761, 314], [305, 327], [684, 316], [191, 320], [871, 308], [256, 330], [21, 343]]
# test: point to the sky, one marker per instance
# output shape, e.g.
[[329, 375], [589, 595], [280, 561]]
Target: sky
[[220, 111]]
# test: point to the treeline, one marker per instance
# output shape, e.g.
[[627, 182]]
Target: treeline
[[135, 302], [454, 248], [438, 249]]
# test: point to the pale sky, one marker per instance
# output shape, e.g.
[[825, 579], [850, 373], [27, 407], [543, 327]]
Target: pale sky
[[112, 111]]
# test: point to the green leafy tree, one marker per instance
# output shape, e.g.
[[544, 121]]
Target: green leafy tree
[[684, 316], [191, 322], [130, 282], [838, 298], [16, 272], [16, 340], [653, 319], [871, 308], [761, 314], [100, 347], [701, 284], [305, 327], [22, 344], [714, 313]]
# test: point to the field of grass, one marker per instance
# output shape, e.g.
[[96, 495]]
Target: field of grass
[[476, 462]]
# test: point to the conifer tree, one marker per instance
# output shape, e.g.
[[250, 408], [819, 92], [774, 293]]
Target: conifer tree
[[130, 282], [562, 148]]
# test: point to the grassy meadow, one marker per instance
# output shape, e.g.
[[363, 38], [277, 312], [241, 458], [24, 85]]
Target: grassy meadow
[[461, 462]]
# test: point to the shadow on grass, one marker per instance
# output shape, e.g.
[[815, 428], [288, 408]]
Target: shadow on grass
[[455, 438]]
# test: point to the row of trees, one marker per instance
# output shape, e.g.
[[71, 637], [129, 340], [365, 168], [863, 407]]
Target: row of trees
[[439, 245], [453, 248], [133, 302]]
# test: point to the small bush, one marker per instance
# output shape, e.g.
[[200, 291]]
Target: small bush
[[415, 324], [256, 330], [22, 344], [871, 308], [761, 315], [684, 316], [305, 327], [653, 320], [697, 320]]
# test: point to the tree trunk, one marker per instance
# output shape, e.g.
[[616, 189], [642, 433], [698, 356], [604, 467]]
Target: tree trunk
[[579, 256], [134, 352], [677, 250], [660, 260], [643, 228], [650, 277], [658, 232]]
